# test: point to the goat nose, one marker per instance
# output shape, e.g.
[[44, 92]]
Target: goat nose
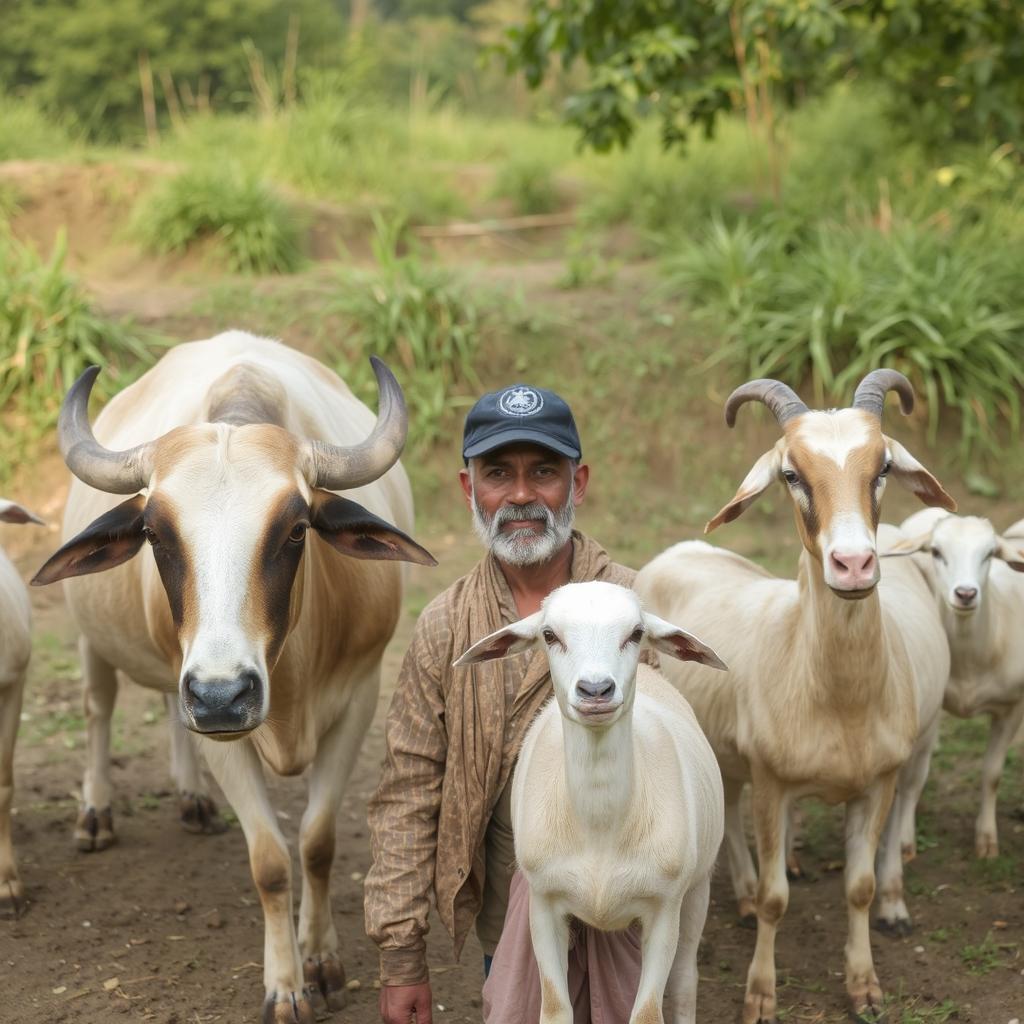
[[965, 595], [855, 568], [221, 694], [596, 689]]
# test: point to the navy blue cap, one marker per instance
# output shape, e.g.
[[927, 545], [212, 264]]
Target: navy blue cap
[[520, 413]]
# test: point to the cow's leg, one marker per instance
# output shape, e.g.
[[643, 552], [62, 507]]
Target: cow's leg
[[198, 812], [94, 829], [11, 894], [237, 769], [1001, 733], [335, 756]]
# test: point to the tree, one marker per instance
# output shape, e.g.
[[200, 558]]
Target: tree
[[686, 62]]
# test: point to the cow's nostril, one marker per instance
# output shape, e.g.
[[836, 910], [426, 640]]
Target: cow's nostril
[[219, 693], [966, 594]]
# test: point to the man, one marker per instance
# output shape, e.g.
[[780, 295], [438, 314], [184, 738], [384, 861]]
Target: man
[[441, 817]]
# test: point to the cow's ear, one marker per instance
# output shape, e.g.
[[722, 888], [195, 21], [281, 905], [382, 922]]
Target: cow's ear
[[108, 541], [12, 512], [357, 532]]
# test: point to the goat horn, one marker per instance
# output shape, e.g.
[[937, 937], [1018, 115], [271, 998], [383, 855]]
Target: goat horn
[[871, 392], [122, 472], [336, 468], [779, 397]]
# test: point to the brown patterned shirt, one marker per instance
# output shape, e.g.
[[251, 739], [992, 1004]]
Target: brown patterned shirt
[[452, 737]]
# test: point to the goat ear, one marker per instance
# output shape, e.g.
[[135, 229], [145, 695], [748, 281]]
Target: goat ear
[[669, 639], [762, 475], [358, 533], [108, 541], [909, 546], [916, 478], [1011, 551], [12, 512], [501, 643]]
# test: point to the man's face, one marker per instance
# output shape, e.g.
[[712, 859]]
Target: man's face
[[523, 499]]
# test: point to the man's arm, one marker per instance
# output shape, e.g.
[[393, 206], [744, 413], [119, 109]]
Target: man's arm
[[403, 812]]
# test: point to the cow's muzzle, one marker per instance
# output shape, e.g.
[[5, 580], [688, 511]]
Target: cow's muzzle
[[222, 705]]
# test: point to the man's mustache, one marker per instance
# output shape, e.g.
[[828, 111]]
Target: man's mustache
[[514, 513]]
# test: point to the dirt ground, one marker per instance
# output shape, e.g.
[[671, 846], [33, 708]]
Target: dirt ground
[[165, 926]]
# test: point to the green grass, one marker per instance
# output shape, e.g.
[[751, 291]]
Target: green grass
[[420, 318], [987, 955], [830, 303], [251, 226], [50, 332], [529, 184], [27, 133], [940, 1013]]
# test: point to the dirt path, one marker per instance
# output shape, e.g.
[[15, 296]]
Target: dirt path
[[166, 927]]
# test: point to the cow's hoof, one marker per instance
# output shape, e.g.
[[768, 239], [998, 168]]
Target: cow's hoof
[[289, 1008], [12, 898], [326, 975], [900, 928], [94, 830], [199, 814]]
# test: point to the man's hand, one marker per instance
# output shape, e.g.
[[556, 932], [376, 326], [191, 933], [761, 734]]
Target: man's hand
[[402, 1004]]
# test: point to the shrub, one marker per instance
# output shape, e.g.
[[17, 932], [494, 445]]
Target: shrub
[[253, 228], [529, 184], [838, 300], [49, 333], [421, 319]]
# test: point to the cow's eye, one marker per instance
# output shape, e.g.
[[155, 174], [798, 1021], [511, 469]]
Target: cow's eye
[[637, 635], [549, 637], [298, 534], [150, 536]]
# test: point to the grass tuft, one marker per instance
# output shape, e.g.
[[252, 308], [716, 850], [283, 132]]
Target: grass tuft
[[253, 228], [49, 333]]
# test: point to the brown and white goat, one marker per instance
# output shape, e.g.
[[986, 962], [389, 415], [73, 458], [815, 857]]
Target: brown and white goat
[[15, 650], [973, 574], [835, 681]]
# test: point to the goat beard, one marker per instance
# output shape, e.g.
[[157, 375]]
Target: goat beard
[[524, 546]]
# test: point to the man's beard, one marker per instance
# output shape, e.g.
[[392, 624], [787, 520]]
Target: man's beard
[[524, 546]]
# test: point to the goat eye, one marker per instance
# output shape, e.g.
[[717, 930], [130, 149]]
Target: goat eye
[[637, 635], [298, 534], [884, 471], [549, 637], [937, 555], [790, 477], [150, 536]]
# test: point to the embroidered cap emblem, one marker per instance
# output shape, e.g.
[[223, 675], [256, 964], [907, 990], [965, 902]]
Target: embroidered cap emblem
[[520, 402]]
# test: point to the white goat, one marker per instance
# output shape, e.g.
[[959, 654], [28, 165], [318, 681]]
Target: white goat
[[835, 683], [971, 570], [617, 799], [15, 649]]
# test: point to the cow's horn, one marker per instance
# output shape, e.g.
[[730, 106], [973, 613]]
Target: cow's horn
[[338, 468], [871, 392], [779, 397], [115, 472]]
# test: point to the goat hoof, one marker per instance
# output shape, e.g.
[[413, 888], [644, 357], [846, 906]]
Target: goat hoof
[[898, 929], [869, 1013], [12, 899], [199, 815], [289, 1008], [325, 974], [985, 848], [759, 1009], [94, 830]]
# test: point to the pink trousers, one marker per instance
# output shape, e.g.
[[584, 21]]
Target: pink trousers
[[604, 970]]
